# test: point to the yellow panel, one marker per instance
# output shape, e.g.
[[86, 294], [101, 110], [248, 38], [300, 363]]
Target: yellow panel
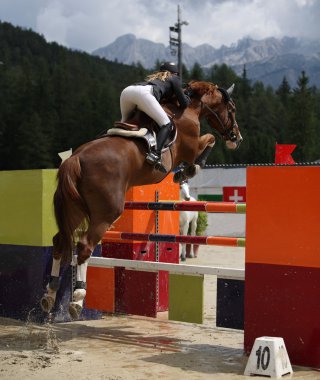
[[49, 227], [26, 207], [186, 298]]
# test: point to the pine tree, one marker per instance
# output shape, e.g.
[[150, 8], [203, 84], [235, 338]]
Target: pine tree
[[302, 128], [196, 72]]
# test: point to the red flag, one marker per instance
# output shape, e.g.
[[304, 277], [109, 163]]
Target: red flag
[[283, 153]]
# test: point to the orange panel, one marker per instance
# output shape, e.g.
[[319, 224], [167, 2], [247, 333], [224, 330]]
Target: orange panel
[[100, 290], [169, 220], [168, 190], [283, 211], [143, 221]]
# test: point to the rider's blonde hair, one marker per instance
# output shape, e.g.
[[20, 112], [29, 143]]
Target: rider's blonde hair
[[162, 75]]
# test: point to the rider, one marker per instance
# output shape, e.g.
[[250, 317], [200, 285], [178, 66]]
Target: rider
[[146, 96]]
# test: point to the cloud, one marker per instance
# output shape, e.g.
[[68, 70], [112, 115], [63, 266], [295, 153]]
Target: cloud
[[87, 25], [228, 21], [53, 24]]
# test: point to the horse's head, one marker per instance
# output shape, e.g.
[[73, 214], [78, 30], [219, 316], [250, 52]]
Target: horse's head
[[219, 109]]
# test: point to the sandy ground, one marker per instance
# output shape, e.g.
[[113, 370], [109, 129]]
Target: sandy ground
[[128, 347]]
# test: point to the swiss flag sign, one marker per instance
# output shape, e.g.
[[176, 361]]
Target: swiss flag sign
[[235, 194]]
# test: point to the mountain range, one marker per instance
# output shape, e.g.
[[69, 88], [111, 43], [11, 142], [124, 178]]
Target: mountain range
[[268, 60]]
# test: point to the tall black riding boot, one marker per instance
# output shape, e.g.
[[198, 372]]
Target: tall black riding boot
[[154, 158]]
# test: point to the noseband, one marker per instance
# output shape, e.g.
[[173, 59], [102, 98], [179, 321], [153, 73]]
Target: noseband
[[226, 131]]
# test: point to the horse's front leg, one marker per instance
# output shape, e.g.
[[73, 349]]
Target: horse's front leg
[[206, 143], [48, 300]]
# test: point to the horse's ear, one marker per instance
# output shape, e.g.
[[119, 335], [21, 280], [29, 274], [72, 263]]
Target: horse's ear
[[230, 89]]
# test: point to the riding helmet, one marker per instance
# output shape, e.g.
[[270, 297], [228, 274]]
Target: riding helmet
[[169, 66]]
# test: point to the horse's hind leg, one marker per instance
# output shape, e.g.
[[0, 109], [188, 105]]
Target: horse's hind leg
[[85, 247], [49, 298]]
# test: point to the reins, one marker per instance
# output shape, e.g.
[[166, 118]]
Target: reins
[[226, 131]]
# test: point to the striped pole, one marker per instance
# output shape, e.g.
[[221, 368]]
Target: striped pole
[[117, 237], [222, 207]]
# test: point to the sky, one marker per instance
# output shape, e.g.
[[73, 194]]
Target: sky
[[90, 24]]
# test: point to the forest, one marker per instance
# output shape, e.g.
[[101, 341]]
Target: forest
[[53, 99]]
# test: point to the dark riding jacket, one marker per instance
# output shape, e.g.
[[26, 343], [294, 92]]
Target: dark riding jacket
[[167, 89]]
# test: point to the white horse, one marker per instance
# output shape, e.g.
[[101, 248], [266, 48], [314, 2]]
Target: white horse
[[188, 219]]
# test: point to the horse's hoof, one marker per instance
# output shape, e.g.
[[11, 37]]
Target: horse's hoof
[[192, 171], [75, 310], [190, 256], [47, 303], [182, 258], [179, 177]]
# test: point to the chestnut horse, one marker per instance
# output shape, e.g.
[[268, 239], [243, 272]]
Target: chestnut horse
[[93, 182]]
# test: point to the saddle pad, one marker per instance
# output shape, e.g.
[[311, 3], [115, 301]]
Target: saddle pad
[[125, 133]]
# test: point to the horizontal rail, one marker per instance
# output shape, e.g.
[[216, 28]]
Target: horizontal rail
[[150, 266], [223, 207], [116, 236]]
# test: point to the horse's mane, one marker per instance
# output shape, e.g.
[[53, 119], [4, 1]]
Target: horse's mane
[[200, 88]]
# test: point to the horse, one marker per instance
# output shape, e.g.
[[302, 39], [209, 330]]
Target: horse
[[93, 181], [187, 219]]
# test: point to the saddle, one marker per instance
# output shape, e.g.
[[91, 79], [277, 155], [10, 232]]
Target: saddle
[[137, 121], [142, 126]]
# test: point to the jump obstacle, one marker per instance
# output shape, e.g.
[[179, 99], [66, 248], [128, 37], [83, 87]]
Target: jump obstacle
[[116, 236], [231, 318], [282, 269], [149, 266], [224, 207]]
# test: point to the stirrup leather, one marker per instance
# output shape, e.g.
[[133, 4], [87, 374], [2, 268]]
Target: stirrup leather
[[154, 159]]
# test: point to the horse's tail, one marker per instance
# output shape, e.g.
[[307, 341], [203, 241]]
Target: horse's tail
[[69, 207]]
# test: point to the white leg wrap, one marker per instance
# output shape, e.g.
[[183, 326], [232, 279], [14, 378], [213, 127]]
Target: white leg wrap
[[82, 272], [197, 168], [51, 293], [79, 296], [55, 271]]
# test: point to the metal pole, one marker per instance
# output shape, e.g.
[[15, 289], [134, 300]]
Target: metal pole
[[179, 44], [176, 40]]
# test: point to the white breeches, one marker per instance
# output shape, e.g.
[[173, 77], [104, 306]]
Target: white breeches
[[142, 97]]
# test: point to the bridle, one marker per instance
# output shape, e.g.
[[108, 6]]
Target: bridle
[[227, 132]]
